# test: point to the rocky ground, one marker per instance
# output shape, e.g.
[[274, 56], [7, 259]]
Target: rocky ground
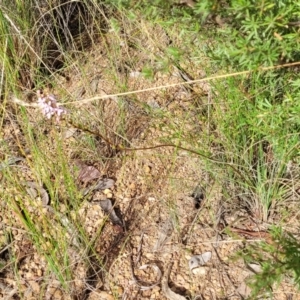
[[167, 209]]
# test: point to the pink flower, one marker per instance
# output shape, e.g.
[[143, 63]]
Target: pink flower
[[49, 106]]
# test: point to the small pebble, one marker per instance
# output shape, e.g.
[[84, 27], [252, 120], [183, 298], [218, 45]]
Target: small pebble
[[29, 275], [107, 191], [147, 169], [199, 271], [62, 208], [89, 229], [132, 186], [57, 294], [188, 256], [104, 296], [149, 256]]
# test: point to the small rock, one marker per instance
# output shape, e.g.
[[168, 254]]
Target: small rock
[[147, 169], [132, 186], [153, 104], [135, 74], [244, 290], [29, 275], [89, 229], [62, 208], [255, 267], [201, 271], [149, 256], [100, 295], [58, 294], [107, 191], [198, 260], [188, 256], [69, 132]]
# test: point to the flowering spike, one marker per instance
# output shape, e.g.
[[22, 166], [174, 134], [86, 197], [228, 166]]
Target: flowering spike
[[49, 106]]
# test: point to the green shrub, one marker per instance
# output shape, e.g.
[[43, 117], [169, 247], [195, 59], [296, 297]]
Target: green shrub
[[255, 34]]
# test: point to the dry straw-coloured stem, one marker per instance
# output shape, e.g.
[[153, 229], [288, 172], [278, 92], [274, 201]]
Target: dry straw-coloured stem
[[83, 101]]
